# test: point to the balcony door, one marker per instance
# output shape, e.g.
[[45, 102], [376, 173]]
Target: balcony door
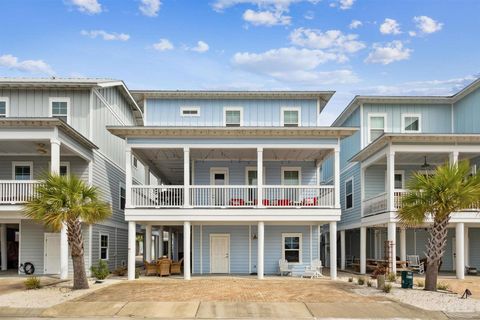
[[291, 177], [219, 178]]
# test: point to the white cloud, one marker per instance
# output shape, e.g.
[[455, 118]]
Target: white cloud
[[412, 33], [346, 4], [388, 53], [87, 6], [105, 35], [150, 8], [390, 26], [163, 45], [332, 40], [355, 24], [427, 25], [309, 15], [293, 65], [266, 18], [201, 47], [220, 5], [31, 66]]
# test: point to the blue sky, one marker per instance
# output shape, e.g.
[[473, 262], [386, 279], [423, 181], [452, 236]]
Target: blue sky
[[351, 46]]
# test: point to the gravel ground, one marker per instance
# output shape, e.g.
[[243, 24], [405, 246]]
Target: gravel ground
[[48, 296]]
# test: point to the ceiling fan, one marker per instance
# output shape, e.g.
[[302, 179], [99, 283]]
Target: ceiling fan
[[425, 164]]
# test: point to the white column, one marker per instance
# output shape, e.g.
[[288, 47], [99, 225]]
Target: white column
[[148, 242], [391, 180], [147, 175], [363, 250], [260, 177], [260, 246], [342, 250], [128, 177], [403, 244], [63, 252], [55, 156], [453, 157], [160, 245], [333, 250], [186, 250], [467, 249], [3, 246], [336, 177], [459, 250], [132, 234], [186, 176], [392, 235]]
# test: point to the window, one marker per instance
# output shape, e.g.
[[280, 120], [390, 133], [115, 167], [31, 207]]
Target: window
[[64, 168], [190, 111], [122, 197], [292, 247], [398, 179], [349, 193], [411, 123], [22, 170], [59, 108], [104, 246], [135, 162], [290, 117], [376, 126], [3, 107], [233, 117], [291, 176]]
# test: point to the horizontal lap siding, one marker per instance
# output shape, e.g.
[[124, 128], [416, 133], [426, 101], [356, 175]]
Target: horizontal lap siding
[[351, 215], [374, 181], [474, 247], [117, 245], [256, 112]]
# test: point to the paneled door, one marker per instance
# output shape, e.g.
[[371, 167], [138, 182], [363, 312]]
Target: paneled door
[[219, 253], [51, 259]]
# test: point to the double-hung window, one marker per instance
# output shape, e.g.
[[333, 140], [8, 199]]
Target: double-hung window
[[292, 247], [104, 246], [349, 193], [122, 196], [3, 107], [59, 108], [376, 126], [411, 123], [233, 117], [22, 170], [290, 117]]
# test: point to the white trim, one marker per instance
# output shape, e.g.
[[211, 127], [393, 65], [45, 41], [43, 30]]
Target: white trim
[[201, 248], [299, 169], [300, 249], [225, 109], [412, 115], [223, 170], [375, 115], [185, 108], [100, 234], [353, 192], [282, 115], [249, 249], [59, 99], [401, 172], [362, 133], [145, 112], [22, 163], [210, 145], [7, 105], [252, 168], [229, 248]]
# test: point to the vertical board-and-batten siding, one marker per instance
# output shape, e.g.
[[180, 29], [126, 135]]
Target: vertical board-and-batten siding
[[256, 112], [467, 113]]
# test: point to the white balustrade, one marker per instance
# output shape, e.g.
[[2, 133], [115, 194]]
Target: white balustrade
[[17, 191]]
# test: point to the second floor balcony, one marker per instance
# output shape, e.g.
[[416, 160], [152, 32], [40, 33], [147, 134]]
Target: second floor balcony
[[14, 192]]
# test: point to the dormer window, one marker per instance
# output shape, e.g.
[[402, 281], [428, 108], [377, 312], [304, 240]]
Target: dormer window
[[190, 111], [411, 123], [59, 108], [233, 117], [290, 117]]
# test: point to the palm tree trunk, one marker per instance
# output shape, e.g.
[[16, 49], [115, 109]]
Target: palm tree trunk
[[436, 245], [75, 240]]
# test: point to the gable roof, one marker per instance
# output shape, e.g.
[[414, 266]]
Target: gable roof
[[358, 100]]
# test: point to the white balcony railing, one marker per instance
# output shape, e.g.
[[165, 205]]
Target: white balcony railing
[[17, 192], [207, 196], [375, 204]]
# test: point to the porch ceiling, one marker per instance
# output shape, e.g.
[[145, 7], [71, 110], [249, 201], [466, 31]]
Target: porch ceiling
[[31, 148], [403, 158]]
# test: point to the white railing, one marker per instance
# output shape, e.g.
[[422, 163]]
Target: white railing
[[207, 196], [397, 197], [15, 191], [375, 204]]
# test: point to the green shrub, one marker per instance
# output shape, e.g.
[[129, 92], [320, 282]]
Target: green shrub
[[391, 277], [442, 286], [100, 271], [361, 281], [350, 279], [120, 271], [387, 287], [420, 283], [369, 283], [32, 283]]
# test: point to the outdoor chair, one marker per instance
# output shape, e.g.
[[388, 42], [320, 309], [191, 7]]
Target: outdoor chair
[[314, 270], [470, 270], [414, 263], [283, 267], [176, 267], [163, 267], [150, 268], [310, 201], [349, 261], [236, 202]]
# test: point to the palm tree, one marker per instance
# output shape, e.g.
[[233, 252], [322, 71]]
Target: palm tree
[[70, 201], [434, 198]]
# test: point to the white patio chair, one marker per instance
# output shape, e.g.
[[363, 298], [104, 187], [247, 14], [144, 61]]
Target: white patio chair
[[314, 270], [413, 262], [283, 267]]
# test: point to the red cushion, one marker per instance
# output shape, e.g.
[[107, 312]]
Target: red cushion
[[310, 201], [284, 202], [237, 202]]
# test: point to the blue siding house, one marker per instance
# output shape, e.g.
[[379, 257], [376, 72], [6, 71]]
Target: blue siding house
[[240, 184]]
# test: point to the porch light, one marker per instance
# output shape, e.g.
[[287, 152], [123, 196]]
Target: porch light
[[254, 237], [425, 164]]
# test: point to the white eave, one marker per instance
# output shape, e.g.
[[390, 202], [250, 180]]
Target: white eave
[[229, 132]]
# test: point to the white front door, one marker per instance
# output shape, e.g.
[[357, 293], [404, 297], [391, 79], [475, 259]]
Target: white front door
[[51, 259], [219, 253]]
